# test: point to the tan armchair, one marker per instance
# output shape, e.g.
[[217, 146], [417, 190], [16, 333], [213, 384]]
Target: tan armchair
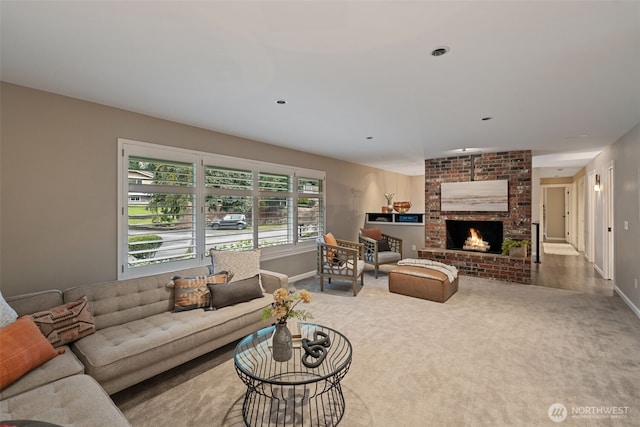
[[340, 259], [386, 250]]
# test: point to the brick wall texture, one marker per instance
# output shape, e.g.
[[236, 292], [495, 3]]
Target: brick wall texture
[[514, 166]]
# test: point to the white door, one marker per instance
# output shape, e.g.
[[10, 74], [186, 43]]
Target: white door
[[580, 215], [555, 214], [610, 234]]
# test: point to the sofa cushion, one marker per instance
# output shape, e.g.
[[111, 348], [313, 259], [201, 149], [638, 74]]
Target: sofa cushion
[[22, 348], [77, 400], [35, 301], [192, 292], [387, 257], [224, 295], [128, 353], [119, 302], [65, 323], [241, 264], [61, 366]]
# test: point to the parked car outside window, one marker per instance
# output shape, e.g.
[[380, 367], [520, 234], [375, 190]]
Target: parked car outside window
[[236, 221]]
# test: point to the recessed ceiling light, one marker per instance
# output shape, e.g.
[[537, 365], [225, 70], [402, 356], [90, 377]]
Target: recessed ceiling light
[[439, 51], [582, 135], [281, 101], [484, 119]]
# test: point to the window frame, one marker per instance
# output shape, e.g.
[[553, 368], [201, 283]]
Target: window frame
[[200, 191]]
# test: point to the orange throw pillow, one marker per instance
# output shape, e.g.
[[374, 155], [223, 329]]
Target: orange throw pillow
[[22, 348], [329, 239], [372, 233]]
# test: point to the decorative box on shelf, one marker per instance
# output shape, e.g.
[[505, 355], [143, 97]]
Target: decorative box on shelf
[[395, 218]]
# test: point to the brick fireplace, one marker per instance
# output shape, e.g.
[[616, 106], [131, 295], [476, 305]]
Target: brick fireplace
[[514, 166]]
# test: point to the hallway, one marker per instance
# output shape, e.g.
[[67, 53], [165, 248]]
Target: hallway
[[569, 272]]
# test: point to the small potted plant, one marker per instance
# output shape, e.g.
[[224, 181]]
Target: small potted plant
[[515, 247]]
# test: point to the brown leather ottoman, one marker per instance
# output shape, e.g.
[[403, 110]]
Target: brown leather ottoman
[[421, 282]]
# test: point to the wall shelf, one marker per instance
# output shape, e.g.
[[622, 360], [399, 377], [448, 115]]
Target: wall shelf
[[408, 218]]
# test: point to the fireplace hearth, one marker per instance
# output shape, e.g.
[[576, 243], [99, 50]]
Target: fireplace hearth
[[475, 236]]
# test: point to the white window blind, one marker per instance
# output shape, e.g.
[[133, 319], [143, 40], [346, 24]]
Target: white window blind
[[176, 204]]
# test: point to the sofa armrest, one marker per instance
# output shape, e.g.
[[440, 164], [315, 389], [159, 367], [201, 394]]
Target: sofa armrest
[[272, 280]]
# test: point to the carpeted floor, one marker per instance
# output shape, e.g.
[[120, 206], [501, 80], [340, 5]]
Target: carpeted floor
[[559, 249], [495, 354]]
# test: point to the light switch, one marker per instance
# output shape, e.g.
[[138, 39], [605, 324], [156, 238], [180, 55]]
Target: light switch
[[626, 225]]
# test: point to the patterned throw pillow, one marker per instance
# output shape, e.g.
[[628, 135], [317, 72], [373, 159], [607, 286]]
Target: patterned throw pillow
[[66, 323], [191, 292], [22, 348], [243, 264], [7, 314]]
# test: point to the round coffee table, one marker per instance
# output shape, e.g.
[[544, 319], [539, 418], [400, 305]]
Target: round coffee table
[[289, 393]]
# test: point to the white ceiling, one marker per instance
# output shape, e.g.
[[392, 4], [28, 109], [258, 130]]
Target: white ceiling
[[559, 78]]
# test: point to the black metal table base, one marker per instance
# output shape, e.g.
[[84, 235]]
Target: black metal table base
[[289, 393], [316, 404]]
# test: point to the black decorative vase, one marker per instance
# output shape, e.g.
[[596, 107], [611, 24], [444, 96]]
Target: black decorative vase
[[282, 344]]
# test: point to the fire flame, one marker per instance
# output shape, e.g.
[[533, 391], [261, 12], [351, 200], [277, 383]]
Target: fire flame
[[474, 242]]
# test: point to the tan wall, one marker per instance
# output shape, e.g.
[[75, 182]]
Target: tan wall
[[58, 186], [626, 157]]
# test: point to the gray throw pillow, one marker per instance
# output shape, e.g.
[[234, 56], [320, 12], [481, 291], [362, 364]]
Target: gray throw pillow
[[383, 245], [223, 295]]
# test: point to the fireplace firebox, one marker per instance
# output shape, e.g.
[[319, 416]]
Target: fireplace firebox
[[476, 236]]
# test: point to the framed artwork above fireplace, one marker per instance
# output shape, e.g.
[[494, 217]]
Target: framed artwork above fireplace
[[486, 196]]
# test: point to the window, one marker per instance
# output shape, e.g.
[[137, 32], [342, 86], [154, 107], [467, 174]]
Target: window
[[177, 204]]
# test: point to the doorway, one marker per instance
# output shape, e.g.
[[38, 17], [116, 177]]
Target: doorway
[[610, 240], [554, 214]]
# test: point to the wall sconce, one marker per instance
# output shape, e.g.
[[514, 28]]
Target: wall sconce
[[596, 186]]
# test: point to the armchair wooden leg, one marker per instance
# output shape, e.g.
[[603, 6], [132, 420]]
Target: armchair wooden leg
[[376, 271], [321, 283], [355, 286]]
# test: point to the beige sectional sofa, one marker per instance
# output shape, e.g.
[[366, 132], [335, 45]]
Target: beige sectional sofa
[[138, 335], [58, 391]]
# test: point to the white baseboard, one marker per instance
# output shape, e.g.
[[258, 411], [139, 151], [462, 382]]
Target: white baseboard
[[631, 305], [294, 279]]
